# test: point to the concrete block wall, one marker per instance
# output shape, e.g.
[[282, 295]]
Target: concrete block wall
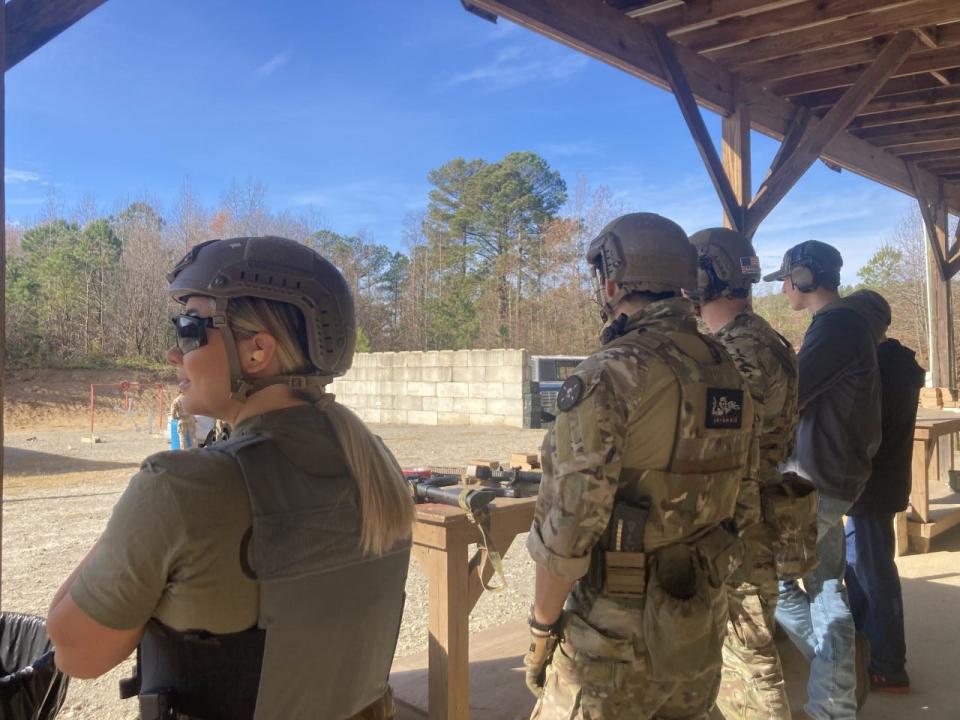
[[445, 387]]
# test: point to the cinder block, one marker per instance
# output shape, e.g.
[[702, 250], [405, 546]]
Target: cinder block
[[408, 373], [470, 405], [421, 417], [430, 358], [452, 418], [486, 390], [369, 415], [516, 422], [453, 389], [397, 417], [385, 359], [504, 374], [408, 402], [362, 360], [382, 401], [423, 389], [513, 390], [437, 374], [444, 404], [461, 358], [445, 358], [484, 419], [510, 407], [485, 358], [515, 357], [369, 387], [468, 374]]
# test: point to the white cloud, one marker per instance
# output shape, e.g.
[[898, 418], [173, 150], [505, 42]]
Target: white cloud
[[20, 176], [517, 65], [272, 65]]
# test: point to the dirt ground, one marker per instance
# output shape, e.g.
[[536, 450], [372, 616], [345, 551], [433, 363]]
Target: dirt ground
[[59, 492]]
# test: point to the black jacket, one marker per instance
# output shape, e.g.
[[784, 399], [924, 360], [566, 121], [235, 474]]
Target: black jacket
[[901, 378], [839, 401]]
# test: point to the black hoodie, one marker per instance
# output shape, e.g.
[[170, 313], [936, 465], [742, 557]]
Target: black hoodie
[[901, 378], [839, 401]]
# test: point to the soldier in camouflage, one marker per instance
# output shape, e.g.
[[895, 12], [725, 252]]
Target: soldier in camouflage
[[752, 686], [642, 474]]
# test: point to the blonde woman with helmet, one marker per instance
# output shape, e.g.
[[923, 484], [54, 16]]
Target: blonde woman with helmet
[[262, 576]]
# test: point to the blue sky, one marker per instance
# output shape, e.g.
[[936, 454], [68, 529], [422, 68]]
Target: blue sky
[[343, 108]]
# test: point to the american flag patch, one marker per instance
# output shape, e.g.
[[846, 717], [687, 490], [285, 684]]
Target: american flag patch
[[750, 265]]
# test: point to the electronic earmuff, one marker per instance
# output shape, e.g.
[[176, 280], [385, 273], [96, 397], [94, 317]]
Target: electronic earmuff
[[806, 273], [711, 285]]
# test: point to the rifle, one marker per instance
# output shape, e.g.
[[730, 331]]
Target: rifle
[[442, 489], [508, 483]]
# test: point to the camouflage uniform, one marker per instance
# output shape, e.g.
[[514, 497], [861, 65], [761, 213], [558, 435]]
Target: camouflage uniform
[[752, 686], [629, 436]]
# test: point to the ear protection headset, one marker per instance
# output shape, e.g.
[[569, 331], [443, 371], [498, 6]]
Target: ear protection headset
[[806, 272], [710, 284]]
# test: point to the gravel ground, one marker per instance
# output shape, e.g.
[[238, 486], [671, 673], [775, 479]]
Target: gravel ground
[[59, 492]]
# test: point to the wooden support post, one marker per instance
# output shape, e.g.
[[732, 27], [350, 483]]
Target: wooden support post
[[776, 186], [673, 71], [736, 157]]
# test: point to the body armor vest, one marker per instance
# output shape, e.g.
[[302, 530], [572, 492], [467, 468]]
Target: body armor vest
[[328, 620], [712, 443]]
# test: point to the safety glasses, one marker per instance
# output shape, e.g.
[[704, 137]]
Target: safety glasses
[[191, 331]]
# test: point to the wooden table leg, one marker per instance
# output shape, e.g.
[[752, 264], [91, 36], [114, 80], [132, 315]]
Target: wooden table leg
[[449, 626], [902, 533], [920, 480]]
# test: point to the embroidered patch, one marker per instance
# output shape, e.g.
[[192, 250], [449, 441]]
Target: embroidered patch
[[724, 409], [570, 393]]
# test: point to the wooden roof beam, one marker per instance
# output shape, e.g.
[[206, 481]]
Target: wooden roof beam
[[884, 132], [918, 63], [691, 114], [916, 99], [909, 116], [776, 186], [807, 14], [895, 19], [941, 145], [693, 14], [609, 36], [31, 24], [824, 99], [928, 36]]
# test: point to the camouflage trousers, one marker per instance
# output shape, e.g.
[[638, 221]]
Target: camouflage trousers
[[581, 687], [752, 686]]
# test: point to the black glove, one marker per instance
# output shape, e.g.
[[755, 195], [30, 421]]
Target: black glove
[[543, 643]]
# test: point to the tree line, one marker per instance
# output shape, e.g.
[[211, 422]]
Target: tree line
[[495, 260]]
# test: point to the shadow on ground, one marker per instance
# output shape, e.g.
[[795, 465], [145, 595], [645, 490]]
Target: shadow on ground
[[28, 463]]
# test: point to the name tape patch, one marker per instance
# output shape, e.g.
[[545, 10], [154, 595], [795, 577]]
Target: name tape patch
[[724, 409]]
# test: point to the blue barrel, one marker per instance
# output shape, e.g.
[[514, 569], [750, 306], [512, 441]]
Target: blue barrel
[[174, 436]]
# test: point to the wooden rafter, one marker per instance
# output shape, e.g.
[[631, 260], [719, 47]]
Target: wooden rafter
[[910, 85], [691, 114], [918, 63], [917, 99], [878, 135], [807, 14], [904, 16], [31, 24], [928, 36], [907, 116], [606, 34], [798, 128], [693, 14], [841, 56], [776, 186], [941, 145]]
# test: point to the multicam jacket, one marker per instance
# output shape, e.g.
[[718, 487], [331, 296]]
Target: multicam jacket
[[622, 434], [769, 364]]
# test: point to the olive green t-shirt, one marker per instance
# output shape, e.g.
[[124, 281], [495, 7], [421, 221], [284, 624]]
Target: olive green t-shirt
[[172, 548]]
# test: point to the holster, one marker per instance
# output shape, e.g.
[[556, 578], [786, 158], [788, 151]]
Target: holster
[[790, 509]]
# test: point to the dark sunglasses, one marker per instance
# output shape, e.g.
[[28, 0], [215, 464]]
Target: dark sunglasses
[[191, 331]]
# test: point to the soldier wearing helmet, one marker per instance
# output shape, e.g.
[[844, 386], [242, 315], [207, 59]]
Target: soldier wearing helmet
[[263, 575], [632, 534], [727, 268]]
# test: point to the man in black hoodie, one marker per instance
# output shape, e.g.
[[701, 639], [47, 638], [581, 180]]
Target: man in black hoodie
[[837, 435], [873, 583]]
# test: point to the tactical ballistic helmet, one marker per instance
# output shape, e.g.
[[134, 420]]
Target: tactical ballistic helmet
[[643, 252], [727, 264], [274, 268]]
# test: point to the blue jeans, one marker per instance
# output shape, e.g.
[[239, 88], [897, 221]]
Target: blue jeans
[[873, 584], [819, 622]]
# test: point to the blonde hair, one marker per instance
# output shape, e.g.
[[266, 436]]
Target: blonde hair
[[250, 315], [386, 505]]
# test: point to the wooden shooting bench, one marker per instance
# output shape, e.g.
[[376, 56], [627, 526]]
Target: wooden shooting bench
[[937, 509], [441, 539]]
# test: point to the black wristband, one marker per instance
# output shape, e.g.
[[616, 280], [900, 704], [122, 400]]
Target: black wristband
[[552, 628]]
